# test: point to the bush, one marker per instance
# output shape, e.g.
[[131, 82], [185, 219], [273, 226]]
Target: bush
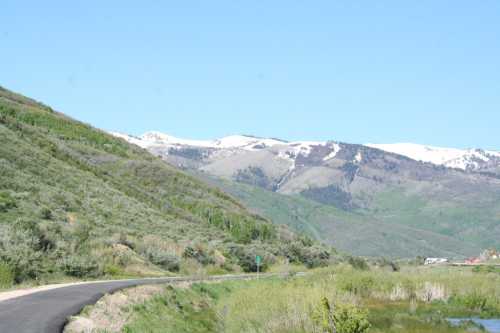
[[32, 228], [6, 202], [358, 263], [488, 306], [246, 258], [6, 276], [113, 270], [124, 240], [21, 251], [80, 266], [163, 259], [384, 262], [350, 319], [46, 214], [198, 253], [312, 257], [341, 318]]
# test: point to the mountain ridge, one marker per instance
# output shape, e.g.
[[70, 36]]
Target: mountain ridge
[[464, 159], [366, 185]]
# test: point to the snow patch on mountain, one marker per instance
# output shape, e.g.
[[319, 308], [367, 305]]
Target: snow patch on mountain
[[158, 138], [494, 153], [131, 139], [465, 159], [154, 138], [304, 148], [335, 151], [245, 142], [358, 158]]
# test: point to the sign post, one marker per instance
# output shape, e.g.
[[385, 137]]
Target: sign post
[[258, 260]]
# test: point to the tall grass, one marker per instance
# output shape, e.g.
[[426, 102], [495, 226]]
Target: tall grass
[[414, 300]]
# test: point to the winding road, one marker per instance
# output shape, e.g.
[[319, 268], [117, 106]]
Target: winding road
[[47, 311]]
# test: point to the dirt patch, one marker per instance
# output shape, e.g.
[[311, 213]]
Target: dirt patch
[[111, 313]]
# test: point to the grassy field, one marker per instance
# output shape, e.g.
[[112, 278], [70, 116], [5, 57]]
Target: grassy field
[[379, 300]]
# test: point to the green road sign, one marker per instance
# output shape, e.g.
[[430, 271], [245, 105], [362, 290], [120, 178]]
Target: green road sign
[[258, 260]]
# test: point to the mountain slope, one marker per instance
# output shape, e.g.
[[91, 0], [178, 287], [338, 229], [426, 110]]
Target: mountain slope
[[445, 210], [77, 201], [354, 232], [469, 160]]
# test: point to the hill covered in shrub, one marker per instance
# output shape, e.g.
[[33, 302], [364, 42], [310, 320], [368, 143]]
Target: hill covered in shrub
[[75, 201]]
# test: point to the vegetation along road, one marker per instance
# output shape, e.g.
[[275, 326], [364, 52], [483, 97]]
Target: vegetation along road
[[47, 311]]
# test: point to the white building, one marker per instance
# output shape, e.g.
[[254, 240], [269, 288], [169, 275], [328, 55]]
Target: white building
[[435, 261]]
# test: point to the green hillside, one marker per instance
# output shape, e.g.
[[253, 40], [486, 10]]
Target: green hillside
[[408, 232], [75, 201]]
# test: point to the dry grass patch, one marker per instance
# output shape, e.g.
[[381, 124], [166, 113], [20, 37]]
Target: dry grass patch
[[111, 313]]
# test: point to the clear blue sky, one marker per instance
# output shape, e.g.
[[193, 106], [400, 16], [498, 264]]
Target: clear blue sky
[[422, 71]]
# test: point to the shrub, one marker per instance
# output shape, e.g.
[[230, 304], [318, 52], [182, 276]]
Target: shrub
[[80, 266], [246, 258], [123, 239], [358, 263], [394, 266], [20, 250], [312, 257], [6, 276], [199, 253], [305, 240], [113, 270], [350, 319], [6, 202], [322, 316], [384, 262], [122, 259], [81, 234], [163, 259], [478, 303], [341, 318], [46, 214], [32, 228]]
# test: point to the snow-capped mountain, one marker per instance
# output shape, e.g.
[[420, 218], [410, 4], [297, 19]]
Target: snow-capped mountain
[[246, 142], [238, 155], [295, 167], [369, 187], [169, 144], [464, 159]]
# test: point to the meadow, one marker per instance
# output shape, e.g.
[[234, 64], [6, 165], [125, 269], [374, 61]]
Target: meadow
[[376, 300]]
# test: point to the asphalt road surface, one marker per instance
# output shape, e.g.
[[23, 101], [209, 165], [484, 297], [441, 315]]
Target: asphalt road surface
[[47, 311]]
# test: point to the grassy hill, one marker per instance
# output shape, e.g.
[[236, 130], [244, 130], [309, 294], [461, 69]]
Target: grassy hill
[[360, 232], [75, 201]]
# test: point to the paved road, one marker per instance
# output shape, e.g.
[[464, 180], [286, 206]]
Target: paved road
[[47, 311]]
